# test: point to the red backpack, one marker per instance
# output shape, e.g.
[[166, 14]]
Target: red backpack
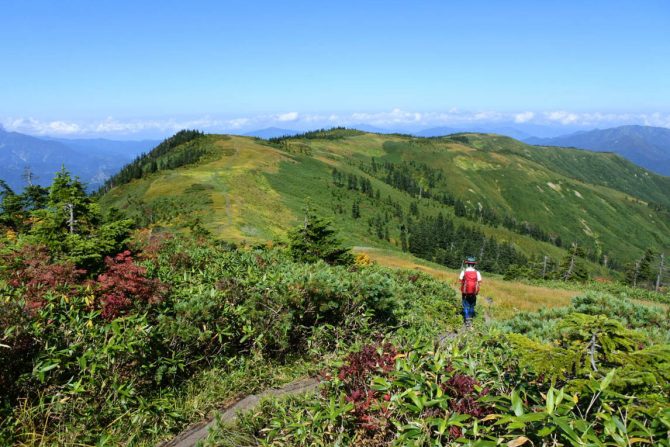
[[470, 285]]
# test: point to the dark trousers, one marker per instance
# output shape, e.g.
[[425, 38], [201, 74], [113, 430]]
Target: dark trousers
[[469, 301]]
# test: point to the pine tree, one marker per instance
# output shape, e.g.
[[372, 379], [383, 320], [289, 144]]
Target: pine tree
[[72, 226], [646, 269], [414, 209], [68, 206], [459, 208], [659, 277], [572, 267], [11, 208], [35, 197], [403, 238], [641, 271], [315, 239], [355, 210]]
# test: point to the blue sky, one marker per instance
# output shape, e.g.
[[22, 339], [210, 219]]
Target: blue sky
[[74, 68]]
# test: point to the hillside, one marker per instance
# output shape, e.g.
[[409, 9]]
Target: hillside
[[646, 146], [378, 188]]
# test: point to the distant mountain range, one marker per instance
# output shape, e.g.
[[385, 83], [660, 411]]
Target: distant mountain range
[[645, 146], [271, 132], [95, 160], [92, 160], [443, 131], [517, 131]]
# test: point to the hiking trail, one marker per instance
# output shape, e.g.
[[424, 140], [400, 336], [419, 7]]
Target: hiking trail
[[199, 431]]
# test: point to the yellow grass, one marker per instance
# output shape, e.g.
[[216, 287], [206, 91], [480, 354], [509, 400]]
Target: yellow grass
[[244, 206], [508, 297]]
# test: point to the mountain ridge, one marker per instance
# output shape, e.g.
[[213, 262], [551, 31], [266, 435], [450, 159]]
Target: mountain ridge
[[251, 190], [645, 146], [92, 160]]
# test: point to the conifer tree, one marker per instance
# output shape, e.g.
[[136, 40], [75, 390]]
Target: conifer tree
[[315, 239], [641, 271], [659, 277], [72, 226], [11, 207], [355, 209], [35, 197], [403, 238], [646, 269], [572, 267]]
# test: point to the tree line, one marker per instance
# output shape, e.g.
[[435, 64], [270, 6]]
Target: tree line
[[159, 158], [64, 219], [440, 240], [334, 133], [424, 182]]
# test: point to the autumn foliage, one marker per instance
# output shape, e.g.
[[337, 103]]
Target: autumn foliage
[[33, 269], [123, 283]]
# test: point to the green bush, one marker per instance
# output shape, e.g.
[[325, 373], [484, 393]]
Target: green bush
[[542, 325], [470, 391], [64, 360]]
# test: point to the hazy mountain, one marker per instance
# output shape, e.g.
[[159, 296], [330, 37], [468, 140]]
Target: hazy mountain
[[93, 161], [271, 132], [373, 129], [646, 146], [101, 147], [437, 132], [443, 131], [518, 131]]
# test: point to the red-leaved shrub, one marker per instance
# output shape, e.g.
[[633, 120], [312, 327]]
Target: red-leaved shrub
[[464, 395], [32, 268], [124, 282], [355, 375], [360, 366]]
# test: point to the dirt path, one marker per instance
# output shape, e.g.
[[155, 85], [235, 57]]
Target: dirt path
[[199, 431]]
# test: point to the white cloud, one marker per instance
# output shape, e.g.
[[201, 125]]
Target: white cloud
[[523, 117], [656, 119], [238, 123], [396, 119], [37, 127], [487, 116], [562, 117], [289, 116]]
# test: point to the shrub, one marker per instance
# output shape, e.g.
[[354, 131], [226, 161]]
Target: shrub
[[17, 348], [32, 269], [124, 282]]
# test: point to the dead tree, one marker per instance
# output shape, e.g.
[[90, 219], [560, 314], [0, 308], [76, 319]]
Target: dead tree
[[70, 221], [659, 278]]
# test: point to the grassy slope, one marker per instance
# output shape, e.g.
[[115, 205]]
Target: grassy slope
[[497, 175], [241, 204], [255, 192], [507, 297]]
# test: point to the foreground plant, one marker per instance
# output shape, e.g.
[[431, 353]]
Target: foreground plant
[[470, 391], [124, 354]]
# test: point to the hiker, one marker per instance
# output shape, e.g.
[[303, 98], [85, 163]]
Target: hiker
[[470, 280]]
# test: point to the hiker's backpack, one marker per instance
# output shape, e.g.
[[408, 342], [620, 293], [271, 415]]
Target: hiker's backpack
[[470, 284]]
